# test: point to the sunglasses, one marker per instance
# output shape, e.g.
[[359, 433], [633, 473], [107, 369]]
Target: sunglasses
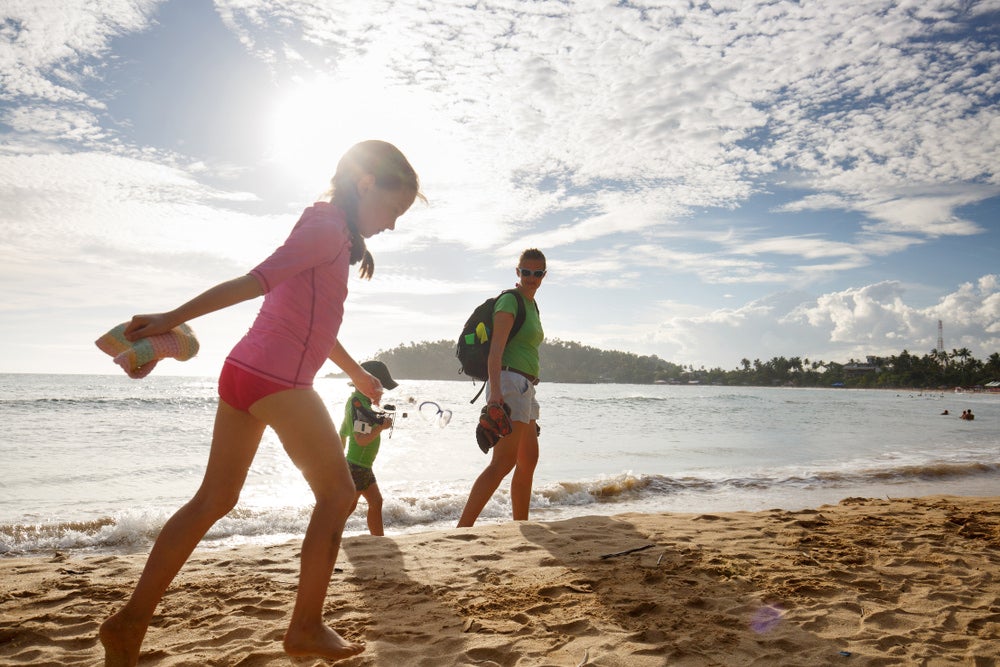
[[528, 272]]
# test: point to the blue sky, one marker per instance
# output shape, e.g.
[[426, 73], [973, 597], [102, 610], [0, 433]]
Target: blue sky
[[710, 181]]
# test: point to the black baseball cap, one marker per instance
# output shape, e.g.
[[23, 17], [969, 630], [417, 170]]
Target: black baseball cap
[[379, 370]]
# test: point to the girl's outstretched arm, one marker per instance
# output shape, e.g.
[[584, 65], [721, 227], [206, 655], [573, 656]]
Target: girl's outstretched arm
[[363, 381], [216, 298]]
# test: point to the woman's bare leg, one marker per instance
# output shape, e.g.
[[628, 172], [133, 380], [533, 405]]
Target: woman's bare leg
[[504, 458], [524, 472], [307, 433], [235, 439]]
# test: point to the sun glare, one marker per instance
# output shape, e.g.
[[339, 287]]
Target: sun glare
[[315, 121]]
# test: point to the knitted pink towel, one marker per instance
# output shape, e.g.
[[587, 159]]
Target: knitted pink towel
[[140, 357]]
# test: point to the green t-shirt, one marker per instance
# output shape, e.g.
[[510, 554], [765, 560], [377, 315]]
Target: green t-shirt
[[522, 348], [356, 454]]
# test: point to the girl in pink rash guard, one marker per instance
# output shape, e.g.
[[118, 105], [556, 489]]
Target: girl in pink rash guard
[[267, 381]]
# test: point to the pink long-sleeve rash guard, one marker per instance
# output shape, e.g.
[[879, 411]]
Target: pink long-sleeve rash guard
[[305, 286]]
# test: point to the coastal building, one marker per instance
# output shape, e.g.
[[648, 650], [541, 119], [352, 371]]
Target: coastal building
[[854, 368]]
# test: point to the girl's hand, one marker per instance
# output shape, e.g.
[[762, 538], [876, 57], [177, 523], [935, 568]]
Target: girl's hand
[[144, 326], [368, 385]]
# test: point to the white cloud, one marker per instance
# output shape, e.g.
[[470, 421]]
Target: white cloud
[[670, 102], [615, 137], [928, 215], [836, 326], [42, 41], [74, 221], [869, 313], [54, 124]]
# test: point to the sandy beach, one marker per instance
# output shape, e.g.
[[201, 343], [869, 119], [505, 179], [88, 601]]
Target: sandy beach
[[864, 582]]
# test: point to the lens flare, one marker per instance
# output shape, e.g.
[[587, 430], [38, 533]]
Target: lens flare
[[766, 619]]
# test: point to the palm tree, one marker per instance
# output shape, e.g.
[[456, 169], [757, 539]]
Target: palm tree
[[993, 365]]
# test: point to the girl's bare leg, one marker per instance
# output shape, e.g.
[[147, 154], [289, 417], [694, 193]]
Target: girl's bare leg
[[524, 471], [235, 439], [504, 458], [303, 424]]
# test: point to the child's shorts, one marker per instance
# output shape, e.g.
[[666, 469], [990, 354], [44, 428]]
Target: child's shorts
[[363, 477], [241, 389]]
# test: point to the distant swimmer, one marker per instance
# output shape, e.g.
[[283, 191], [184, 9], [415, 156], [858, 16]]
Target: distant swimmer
[[967, 414], [946, 413]]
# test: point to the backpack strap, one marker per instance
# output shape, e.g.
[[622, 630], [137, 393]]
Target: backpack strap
[[521, 313], [478, 393]]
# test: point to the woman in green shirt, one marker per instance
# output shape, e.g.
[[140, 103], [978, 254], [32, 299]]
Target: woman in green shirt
[[513, 373]]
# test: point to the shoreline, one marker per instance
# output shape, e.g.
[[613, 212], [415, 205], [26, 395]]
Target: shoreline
[[887, 581], [134, 535]]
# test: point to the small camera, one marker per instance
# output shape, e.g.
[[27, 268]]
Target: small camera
[[365, 419]]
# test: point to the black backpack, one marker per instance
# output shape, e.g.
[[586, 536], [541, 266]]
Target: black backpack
[[473, 347]]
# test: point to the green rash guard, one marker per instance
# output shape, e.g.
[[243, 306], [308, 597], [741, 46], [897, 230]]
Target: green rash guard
[[356, 454], [521, 351]]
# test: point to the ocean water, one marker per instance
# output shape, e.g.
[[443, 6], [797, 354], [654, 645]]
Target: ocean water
[[100, 462]]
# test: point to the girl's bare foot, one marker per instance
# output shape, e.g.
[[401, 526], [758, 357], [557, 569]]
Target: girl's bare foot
[[323, 643], [121, 641]]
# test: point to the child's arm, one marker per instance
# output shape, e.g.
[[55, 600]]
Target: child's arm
[[216, 298], [363, 381], [365, 439]]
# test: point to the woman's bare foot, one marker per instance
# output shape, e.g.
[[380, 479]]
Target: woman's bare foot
[[121, 641], [323, 643]]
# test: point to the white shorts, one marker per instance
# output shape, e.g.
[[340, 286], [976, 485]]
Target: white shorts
[[519, 394]]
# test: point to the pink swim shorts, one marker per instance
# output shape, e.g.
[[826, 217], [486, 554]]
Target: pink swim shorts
[[241, 389]]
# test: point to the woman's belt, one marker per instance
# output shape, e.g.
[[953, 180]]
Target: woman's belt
[[531, 378]]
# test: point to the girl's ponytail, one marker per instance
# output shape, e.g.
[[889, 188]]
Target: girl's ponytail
[[391, 171], [344, 193], [367, 268]]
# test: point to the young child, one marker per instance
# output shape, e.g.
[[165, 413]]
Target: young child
[[267, 381], [363, 439]]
